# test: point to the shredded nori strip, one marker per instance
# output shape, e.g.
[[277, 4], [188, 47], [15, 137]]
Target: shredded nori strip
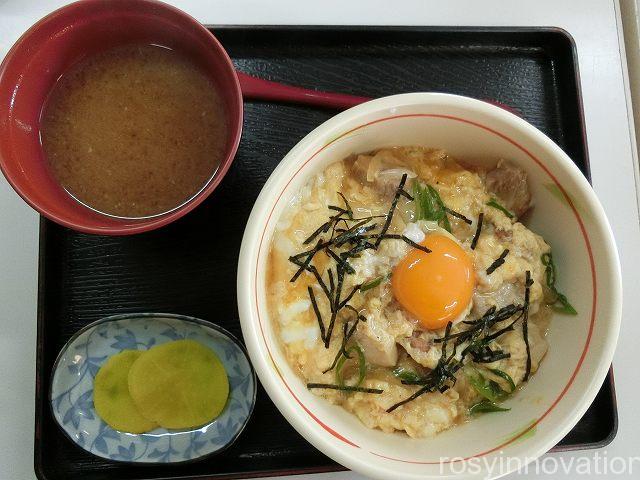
[[346, 336], [355, 251], [362, 317], [332, 285], [453, 213], [324, 228], [439, 379], [414, 381], [314, 271], [407, 195], [504, 330], [303, 266], [337, 209], [356, 230], [340, 261], [344, 388], [474, 242], [334, 306], [316, 310], [349, 210], [478, 347], [497, 263], [332, 322], [323, 285], [421, 391], [354, 234], [344, 302], [394, 203], [319, 246], [333, 221], [487, 355], [525, 323], [490, 318], [406, 240]]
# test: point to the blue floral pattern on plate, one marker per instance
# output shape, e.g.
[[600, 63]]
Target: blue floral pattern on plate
[[81, 358]]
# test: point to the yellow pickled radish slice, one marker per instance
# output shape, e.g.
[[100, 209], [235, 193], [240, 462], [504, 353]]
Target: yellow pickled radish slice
[[111, 395], [179, 384]]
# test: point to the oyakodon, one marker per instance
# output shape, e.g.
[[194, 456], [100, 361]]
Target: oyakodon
[[404, 287]]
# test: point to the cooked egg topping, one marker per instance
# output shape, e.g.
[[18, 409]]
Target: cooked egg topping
[[435, 287]]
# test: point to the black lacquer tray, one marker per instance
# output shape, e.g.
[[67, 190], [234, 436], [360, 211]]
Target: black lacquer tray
[[189, 267]]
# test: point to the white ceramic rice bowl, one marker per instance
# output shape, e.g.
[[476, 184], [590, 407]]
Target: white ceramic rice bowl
[[566, 213]]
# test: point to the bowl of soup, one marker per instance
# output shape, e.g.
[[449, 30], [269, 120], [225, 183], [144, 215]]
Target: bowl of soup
[[117, 117]]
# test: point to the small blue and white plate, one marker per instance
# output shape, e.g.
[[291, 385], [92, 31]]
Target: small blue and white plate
[[81, 358]]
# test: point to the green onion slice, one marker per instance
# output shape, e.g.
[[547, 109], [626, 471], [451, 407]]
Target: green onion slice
[[489, 389], [560, 304], [429, 205], [362, 366], [506, 377], [485, 406], [406, 374], [494, 203], [375, 282]]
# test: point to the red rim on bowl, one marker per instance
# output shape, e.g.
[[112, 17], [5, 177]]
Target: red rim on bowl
[[51, 46]]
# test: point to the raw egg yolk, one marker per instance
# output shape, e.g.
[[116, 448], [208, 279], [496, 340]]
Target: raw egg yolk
[[435, 287]]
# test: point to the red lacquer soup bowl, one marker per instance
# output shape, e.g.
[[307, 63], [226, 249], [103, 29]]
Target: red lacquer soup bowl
[[49, 48]]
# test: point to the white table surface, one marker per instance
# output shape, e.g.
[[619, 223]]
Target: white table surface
[[596, 27]]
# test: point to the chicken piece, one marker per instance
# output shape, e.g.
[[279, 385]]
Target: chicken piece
[[378, 345], [507, 294], [421, 348], [383, 170], [509, 183]]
